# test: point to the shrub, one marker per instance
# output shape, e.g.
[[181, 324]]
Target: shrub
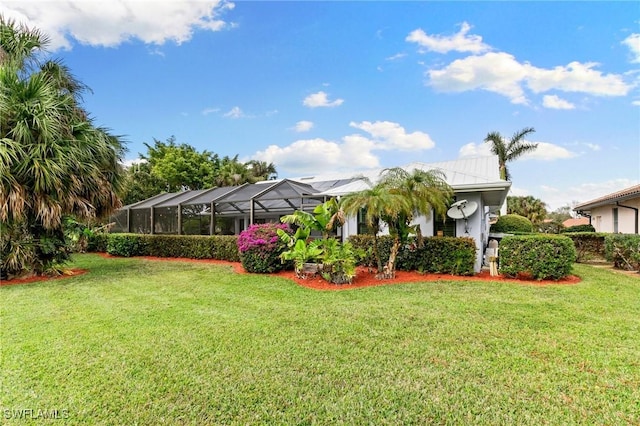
[[436, 255], [126, 245], [97, 242], [589, 245], [623, 250], [220, 247], [540, 256], [512, 223], [580, 228], [260, 248]]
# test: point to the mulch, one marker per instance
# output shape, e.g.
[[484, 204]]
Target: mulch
[[363, 277]]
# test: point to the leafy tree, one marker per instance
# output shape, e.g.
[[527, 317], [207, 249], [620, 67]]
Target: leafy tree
[[530, 207], [230, 172], [180, 166], [140, 183], [510, 150], [53, 160], [397, 199]]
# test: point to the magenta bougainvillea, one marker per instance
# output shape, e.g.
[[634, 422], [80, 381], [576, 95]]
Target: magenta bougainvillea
[[260, 247]]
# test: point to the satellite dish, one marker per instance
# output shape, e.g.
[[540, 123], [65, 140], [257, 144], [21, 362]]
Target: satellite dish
[[462, 209]]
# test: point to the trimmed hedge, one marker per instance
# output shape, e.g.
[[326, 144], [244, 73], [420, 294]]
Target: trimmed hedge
[[540, 256], [623, 250], [220, 247], [512, 223], [97, 242], [447, 255], [580, 228], [589, 245]]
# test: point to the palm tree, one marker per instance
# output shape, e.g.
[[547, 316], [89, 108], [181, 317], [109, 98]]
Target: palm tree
[[261, 170], [396, 199], [53, 160], [510, 150]]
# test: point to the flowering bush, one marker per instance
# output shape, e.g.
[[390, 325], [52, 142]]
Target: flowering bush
[[260, 247]]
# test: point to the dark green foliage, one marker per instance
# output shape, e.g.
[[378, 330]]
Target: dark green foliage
[[126, 245], [436, 255], [589, 245], [539, 256], [512, 223], [623, 250], [220, 247], [580, 228], [97, 242]]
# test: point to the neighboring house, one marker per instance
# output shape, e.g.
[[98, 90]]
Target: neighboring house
[[575, 221], [229, 210], [615, 213]]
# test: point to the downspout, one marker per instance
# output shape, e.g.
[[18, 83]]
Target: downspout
[[632, 208]]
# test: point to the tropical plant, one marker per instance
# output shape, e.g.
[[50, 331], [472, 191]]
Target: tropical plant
[[397, 199], [530, 207], [53, 160], [261, 170], [326, 218], [339, 260], [510, 150]]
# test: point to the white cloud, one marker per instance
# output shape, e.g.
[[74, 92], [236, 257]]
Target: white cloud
[[110, 23], [545, 151], [501, 73], [303, 126], [548, 152], [388, 135], [312, 155], [320, 99], [459, 42], [633, 43], [555, 102], [396, 57], [235, 112], [472, 149], [208, 111], [576, 77], [635, 103]]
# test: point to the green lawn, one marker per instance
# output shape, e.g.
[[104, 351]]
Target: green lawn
[[151, 342]]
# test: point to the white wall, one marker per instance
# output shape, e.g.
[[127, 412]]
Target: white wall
[[602, 217]]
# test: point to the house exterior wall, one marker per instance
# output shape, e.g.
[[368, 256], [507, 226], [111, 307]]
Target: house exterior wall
[[603, 217]]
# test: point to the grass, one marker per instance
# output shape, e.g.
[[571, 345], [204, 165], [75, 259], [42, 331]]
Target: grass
[[148, 342]]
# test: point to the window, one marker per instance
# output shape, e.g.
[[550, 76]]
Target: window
[[445, 227], [615, 220]]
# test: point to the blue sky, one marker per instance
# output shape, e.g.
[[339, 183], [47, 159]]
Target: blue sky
[[320, 87]]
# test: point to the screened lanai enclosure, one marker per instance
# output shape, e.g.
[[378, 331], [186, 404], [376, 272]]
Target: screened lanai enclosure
[[224, 210]]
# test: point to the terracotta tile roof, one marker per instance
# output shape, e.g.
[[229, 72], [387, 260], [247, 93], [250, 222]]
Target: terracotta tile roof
[[575, 221], [624, 194]]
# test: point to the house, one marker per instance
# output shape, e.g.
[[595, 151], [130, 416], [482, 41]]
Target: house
[[229, 210], [616, 212]]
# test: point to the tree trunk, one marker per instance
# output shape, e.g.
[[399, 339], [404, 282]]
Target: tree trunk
[[390, 268]]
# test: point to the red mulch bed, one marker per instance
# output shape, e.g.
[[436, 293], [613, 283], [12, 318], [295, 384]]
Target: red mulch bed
[[363, 278], [38, 278]]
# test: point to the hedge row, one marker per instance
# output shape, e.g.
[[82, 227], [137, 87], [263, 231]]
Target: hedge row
[[539, 256], [589, 245], [220, 247], [623, 250], [436, 255]]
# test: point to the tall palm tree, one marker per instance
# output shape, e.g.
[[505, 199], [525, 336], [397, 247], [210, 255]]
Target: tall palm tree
[[53, 160], [510, 150]]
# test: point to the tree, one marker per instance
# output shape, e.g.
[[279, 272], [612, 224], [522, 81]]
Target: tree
[[510, 150], [231, 172], [397, 199], [530, 207], [180, 166], [261, 170], [53, 160]]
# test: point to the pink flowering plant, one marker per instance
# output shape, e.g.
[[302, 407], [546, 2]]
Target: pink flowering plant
[[260, 247]]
